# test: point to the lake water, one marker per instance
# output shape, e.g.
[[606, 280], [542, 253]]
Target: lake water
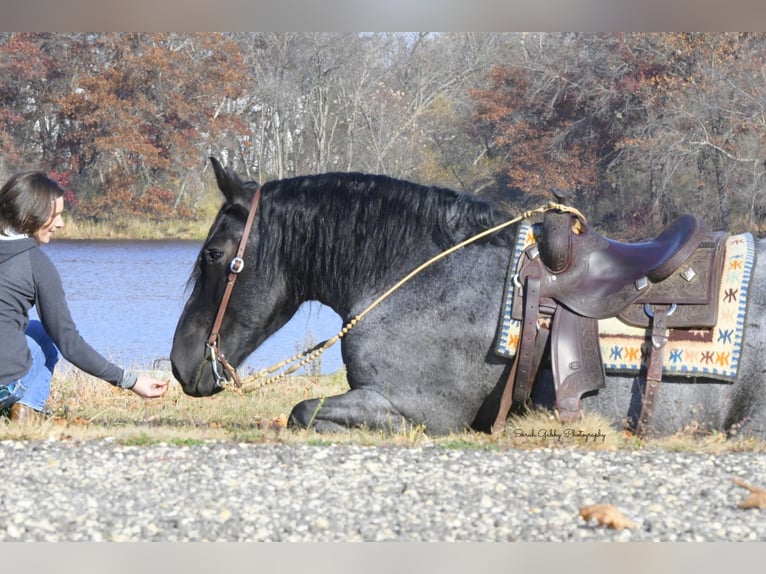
[[126, 297]]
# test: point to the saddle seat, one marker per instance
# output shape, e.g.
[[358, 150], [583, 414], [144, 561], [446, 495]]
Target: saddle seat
[[598, 277]]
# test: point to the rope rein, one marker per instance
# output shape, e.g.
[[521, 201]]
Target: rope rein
[[251, 382]]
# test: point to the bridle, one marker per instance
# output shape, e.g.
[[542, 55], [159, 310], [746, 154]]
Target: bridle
[[235, 268]]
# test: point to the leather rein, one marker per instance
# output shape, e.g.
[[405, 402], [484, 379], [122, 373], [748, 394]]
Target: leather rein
[[235, 268]]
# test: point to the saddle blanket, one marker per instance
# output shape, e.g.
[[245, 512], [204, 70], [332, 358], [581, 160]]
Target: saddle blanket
[[704, 353]]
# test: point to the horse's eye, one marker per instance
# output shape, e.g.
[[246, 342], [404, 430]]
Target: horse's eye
[[213, 255]]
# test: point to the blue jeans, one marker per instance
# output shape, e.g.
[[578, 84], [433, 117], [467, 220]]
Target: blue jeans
[[33, 388]]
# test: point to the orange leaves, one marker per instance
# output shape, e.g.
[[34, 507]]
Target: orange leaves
[[558, 120], [276, 423], [606, 515], [532, 116], [609, 516], [155, 203], [142, 108], [756, 498]]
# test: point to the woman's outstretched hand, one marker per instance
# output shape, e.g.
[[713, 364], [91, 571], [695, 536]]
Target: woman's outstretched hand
[[149, 387]]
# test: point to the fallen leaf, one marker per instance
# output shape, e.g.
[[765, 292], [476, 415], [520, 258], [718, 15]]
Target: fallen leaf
[[606, 515], [279, 421], [756, 498]]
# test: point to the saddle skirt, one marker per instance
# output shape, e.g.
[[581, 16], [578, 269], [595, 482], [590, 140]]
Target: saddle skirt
[[706, 353]]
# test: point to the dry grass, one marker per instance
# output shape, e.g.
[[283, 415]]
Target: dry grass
[[135, 228], [84, 408]]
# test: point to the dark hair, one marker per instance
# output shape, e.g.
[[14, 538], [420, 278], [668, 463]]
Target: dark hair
[[386, 219], [26, 201]]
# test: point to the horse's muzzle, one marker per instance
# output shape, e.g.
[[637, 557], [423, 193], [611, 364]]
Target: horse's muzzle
[[198, 381]]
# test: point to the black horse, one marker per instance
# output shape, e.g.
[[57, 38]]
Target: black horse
[[426, 355]]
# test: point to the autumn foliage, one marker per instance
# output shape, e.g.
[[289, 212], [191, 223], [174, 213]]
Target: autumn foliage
[[639, 127], [121, 119]]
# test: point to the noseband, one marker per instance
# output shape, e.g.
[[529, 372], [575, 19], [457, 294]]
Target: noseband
[[235, 267]]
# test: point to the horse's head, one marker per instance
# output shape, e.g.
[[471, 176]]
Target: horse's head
[[257, 305]]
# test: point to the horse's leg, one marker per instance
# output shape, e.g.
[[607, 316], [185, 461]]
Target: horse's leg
[[355, 408]]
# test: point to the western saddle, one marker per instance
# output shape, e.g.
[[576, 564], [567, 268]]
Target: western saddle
[[572, 276]]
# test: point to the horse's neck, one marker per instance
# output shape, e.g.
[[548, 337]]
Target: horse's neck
[[351, 289], [350, 264]]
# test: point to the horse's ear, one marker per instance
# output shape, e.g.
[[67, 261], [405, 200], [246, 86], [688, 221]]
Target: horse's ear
[[229, 183]]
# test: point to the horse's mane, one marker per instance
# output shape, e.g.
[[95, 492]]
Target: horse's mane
[[365, 224]]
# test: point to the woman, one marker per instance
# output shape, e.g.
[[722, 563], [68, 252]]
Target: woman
[[31, 205]]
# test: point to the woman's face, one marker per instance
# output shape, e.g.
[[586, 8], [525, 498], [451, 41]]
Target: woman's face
[[55, 222]]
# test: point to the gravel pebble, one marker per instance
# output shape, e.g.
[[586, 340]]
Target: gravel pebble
[[102, 491]]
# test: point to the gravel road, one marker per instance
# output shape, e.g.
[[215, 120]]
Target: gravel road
[[219, 491]]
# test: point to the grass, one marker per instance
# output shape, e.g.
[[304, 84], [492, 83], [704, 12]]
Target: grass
[[135, 228], [84, 408]]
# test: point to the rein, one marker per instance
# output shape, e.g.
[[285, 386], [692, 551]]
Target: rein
[[251, 383], [235, 268]]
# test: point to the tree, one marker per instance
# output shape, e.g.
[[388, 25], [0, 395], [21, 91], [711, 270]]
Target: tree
[[142, 116], [640, 125], [551, 118], [32, 78], [705, 128]]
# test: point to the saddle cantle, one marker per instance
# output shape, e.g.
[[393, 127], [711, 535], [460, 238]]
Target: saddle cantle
[[572, 276]]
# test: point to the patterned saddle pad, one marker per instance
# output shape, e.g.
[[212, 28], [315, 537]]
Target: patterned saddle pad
[[705, 353]]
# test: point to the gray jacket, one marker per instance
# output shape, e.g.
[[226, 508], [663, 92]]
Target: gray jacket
[[28, 278]]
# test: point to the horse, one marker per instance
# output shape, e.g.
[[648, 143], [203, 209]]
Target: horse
[[425, 355]]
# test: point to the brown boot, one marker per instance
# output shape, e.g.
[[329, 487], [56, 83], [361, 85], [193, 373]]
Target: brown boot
[[22, 413]]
